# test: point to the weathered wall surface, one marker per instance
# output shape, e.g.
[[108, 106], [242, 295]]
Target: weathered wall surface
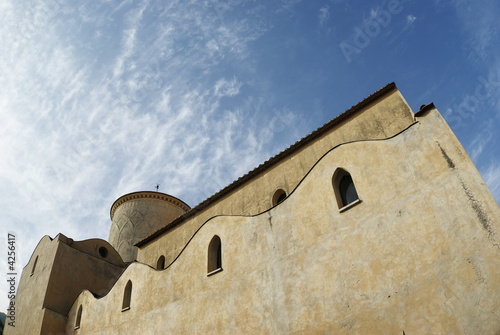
[[74, 271], [419, 254], [64, 268], [390, 115], [31, 290]]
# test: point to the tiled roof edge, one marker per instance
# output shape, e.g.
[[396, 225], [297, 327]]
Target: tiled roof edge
[[147, 194], [273, 160]]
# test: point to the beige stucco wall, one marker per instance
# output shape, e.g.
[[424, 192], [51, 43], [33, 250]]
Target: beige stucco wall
[[385, 118], [419, 254], [30, 293], [64, 268], [74, 271]]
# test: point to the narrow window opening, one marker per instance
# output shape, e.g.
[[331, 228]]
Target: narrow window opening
[[214, 256], [127, 295], [345, 191], [278, 197], [160, 264], [34, 266], [78, 317], [103, 252]]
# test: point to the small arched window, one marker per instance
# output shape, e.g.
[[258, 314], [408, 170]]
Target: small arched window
[[127, 295], [34, 266], [160, 264], [214, 256], [78, 317], [278, 197], [345, 191], [103, 252]]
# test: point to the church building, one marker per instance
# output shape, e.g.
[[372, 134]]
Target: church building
[[378, 222]]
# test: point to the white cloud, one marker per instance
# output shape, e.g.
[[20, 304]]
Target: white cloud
[[410, 19], [224, 87], [492, 178], [88, 117], [100, 99], [287, 6], [478, 144], [324, 14], [480, 25]]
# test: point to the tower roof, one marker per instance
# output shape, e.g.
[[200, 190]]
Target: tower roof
[[147, 195]]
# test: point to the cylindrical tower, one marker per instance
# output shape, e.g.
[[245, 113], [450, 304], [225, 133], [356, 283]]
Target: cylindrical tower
[[137, 215]]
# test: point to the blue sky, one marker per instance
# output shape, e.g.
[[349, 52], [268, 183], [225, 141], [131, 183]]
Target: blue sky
[[103, 98]]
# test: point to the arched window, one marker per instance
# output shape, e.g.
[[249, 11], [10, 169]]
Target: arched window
[[345, 191], [214, 256], [103, 252], [160, 264], [127, 295], [78, 317], [34, 266], [278, 197]]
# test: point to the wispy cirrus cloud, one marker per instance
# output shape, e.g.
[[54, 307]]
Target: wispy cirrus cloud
[[324, 14], [102, 99], [410, 20], [492, 178], [478, 144], [480, 24], [224, 87]]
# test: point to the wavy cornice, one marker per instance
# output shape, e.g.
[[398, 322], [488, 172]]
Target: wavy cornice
[[389, 88], [196, 209]]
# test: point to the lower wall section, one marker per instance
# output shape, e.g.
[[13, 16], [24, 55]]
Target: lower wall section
[[53, 323]]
